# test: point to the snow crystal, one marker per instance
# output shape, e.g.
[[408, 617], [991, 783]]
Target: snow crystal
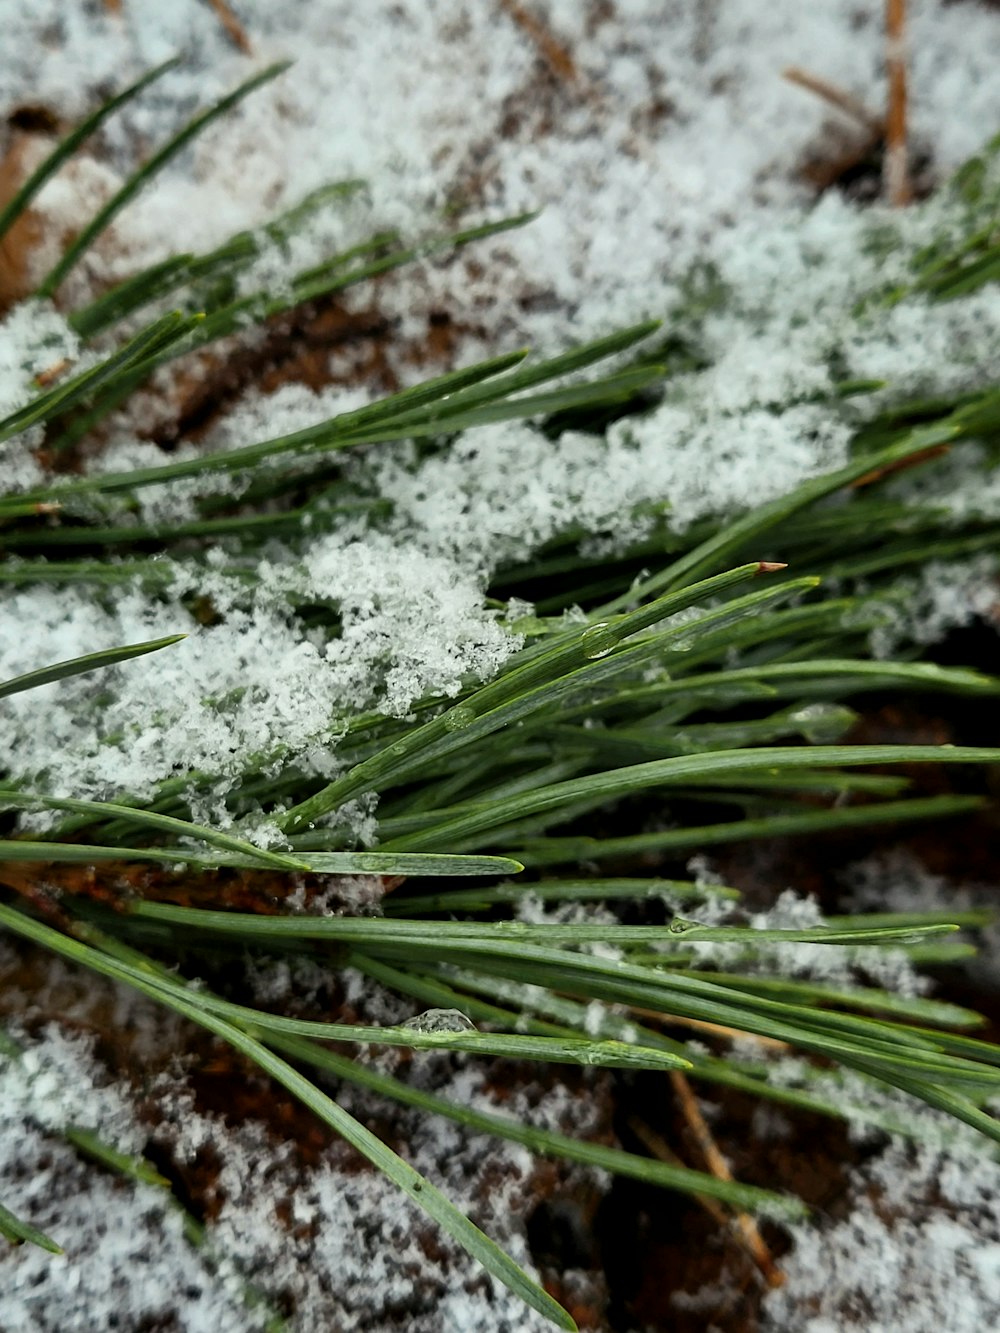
[[831, 964], [355, 1260], [919, 1249], [251, 687], [34, 339], [736, 263], [123, 1239], [897, 882], [943, 596]]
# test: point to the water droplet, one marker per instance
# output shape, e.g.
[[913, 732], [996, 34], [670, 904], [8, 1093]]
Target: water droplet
[[458, 717], [599, 640], [679, 926], [682, 645], [398, 749], [439, 1020], [823, 722]]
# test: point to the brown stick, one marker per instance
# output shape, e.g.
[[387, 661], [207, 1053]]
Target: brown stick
[[658, 1146], [747, 1229], [46, 377], [896, 175], [713, 1029], [555, 55], [838, 97], [234, 28]]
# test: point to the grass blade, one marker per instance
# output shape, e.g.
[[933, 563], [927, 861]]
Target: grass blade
[[141, 178], [410, 1181], [544, 1141], [75, 666], [22, 800], [320, 863], [615, 783], [17, 1232], [65, 149], [136, 351]]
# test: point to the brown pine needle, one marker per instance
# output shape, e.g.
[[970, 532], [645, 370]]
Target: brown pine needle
[[837, 97], [659, 1147], [234, 28], [46, 377], [747, 1229], [555, 55], [896, 177], [901, 465], [713, 1029]]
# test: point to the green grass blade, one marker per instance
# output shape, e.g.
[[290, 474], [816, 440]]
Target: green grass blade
[[336, 274], [552, 890], [550, 851], [320, 863], [549, 1143], [571, 362], [425, 1195], [75, 666], [411, 1182], [17, 1232], [22, 800], [574, 1050], [867, 998], [182, 270], [505, 700], [374, 931], [123, 1164], [616, 783], [169, 328], [141, 178], [735, 536], [847, 1039], [65, 149], [333, 434]]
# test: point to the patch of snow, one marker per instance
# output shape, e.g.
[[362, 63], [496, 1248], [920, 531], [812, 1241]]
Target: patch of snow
[[944, 595], [918, 1250], [255, 686], [353, 1255]]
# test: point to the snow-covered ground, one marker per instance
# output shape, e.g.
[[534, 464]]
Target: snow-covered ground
[[665, 152]]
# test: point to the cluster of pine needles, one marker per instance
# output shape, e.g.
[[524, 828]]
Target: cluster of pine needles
[[735, 707]]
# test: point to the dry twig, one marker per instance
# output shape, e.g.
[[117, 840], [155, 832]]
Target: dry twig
[[555, 55], [896, 178], [659, 1147], [713, 1029], [837, 97], [746, 1227], [234, 28]]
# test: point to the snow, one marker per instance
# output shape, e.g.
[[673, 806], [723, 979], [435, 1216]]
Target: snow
[[919, 1249], [897, 882], [254, 688], [944, 595], [352, 1255], [667, 169]]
